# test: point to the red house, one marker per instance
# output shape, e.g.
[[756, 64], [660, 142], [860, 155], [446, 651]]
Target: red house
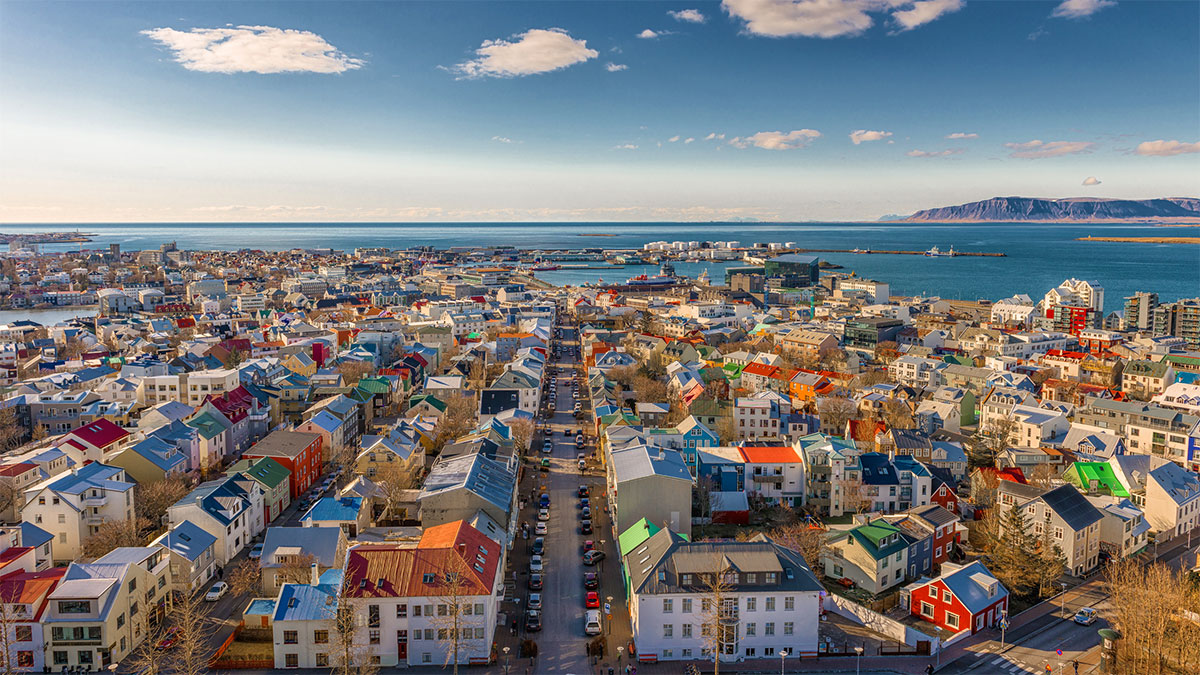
[[299, 451], [945, 497], [962, 598], [944, 525], [93, 442]]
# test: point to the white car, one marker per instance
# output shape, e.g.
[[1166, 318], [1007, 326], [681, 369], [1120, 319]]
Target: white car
[[540, 529], [543, 514], [217, 592], [535, 563]]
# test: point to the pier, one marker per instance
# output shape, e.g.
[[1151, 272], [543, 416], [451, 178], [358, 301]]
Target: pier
[[956, 254]]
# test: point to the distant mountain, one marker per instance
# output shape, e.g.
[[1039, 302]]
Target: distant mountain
[[1007, 209]]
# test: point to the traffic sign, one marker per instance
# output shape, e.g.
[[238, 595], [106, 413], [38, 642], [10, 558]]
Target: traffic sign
[[1058, 651], [1004, 624]]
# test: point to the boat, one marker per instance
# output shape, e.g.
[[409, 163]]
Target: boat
[[935, 252], [656, 280], [861, 250], [543, 268]]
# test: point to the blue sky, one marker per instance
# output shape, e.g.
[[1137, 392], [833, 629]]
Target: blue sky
[[567, 110]]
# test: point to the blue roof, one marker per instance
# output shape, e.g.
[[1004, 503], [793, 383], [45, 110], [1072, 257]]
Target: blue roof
[[160, 453], [32, 535], [261, 607], [188, 540], [334, 509], [303, 602], [90, 476], [877, 469]]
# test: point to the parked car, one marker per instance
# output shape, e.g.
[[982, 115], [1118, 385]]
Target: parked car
[[217, 592], [586, 513], [1086, 616], [591, 622], [539, 546], [535, 601], [589, 545], [543, 514], [544, 500], [545, 465], [591, 580], [585, 527], [256, 552], [548, 446], [540, 529], [533, 621], [583, 491], [591, 600], [535, 582], [584, 502], [535, 563], [170, 638], [592, 557]]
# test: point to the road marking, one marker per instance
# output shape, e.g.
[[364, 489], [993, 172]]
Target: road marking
[[996, 660]]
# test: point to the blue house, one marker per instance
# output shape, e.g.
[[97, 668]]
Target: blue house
[[726, 470]]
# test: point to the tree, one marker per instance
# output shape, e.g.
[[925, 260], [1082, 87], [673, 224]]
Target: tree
[[835, 412], [850, 487], [897, 414], [705, 486], [1043, 475], [456, 620], [457, 419], [727, 429], [522, 430], [1011, 557], [718, 622], [296, 569], [990, 441], [151, 500], [115, 534], [477, 378], [648, 389], [193, 649], [245, 577], [353, 371], [146, 658], [11, 429], [1152, 607], [393, 480], [809, 541], [623, 375], [1046, 562]]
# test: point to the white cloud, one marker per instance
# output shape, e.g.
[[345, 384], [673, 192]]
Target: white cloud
[[715, 136], [924, 11], [615, 67], [502, 139], [534, 51], [1166, 148], [832, 18], [274, 208], [648, 34], [673, 139], [863, 136], [934, 153], [1040, 150], [689, 15], [687, 140], [959, 136], [1077, 9], [1091, 180], [625, 146], [253, 49], [777, 140]]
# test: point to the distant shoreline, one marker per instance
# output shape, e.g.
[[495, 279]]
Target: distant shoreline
[[1144, 240]]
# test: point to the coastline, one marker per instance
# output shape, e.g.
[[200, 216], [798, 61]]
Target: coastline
[[1143, 240]]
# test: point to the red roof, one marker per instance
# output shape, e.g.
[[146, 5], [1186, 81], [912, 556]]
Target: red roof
[[99, 434], [389, 570], [30, 588], [234, 404], [1011, 474], [17, 469], [769, 454], [761, 369]]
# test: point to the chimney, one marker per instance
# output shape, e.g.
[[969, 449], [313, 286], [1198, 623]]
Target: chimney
[[316, 574]]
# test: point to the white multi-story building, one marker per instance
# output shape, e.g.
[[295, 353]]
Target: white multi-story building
[[73, 506], [204, 382], [1015, 311], [230, 509], [772, 603], [1077, 293]]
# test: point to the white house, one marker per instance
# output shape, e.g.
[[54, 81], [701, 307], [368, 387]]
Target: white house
[[73, 506], [230, 509]]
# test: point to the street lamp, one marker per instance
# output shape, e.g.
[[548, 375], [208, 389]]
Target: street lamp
[[782, 655], [1063, 602], [620, 650], [506, 650], [608, 613], [858, 662]]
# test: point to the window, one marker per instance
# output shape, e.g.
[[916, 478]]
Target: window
[[947, 595], [60, 658], [74, 606], [769, 628], [23, 633], [62, 517], [132, 585], [373, 616], [133, 610], [291, 637], [770, 604], [686, 606], [789, 628], [789, 604], [686, 630], [952, 620], [321, 660], [373, 637], [291, 660], [428, 633], [751, 629], [402, 611], [668, 631], [668, 605], [751, 604], [85, 656], [927, 610], [426, 657], [320, 637]]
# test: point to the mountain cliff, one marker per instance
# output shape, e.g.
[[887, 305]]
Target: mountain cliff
[[1008, 209]]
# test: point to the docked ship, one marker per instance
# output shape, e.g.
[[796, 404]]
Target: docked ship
[[665, 277], [544, 268], [935, 252]]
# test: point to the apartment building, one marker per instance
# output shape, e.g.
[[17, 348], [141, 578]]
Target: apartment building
[[1073, 523], [73, 506]]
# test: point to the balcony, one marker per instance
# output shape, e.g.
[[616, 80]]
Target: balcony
[[95, 501], [766, 478], [94, 519]]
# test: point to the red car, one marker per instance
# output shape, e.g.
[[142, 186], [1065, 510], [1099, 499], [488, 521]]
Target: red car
[[170, 638], [591, 600], [588, 545]]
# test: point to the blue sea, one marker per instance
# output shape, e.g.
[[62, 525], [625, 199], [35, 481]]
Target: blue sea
[[1039, 256]]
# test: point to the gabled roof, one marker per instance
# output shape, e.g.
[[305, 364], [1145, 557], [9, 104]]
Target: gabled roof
[[969, 585], [187, 539], [265, 470], [390, 570], [322, 543], [1072, 507]]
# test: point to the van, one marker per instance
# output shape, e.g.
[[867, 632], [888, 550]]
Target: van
[[591, 622]]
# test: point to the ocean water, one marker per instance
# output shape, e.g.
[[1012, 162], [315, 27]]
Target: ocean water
[[1038, 256]]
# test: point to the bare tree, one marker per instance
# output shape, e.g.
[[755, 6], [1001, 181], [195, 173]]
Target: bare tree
[[457, 419], [296, 569], [1043, 475], [456, 621], [115, 534], [897, 414], [11, 429], [151, 500], [851, 488], [727, 429], [522, 431], [810, 541], [195, 626], [353, 371], [991, 440], [393, 480], [648, 389], [718, 618], [245, 577], [147, 658], [835, 412], [1153, 607]]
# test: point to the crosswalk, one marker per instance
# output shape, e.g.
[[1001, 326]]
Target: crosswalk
[[1002, 664]]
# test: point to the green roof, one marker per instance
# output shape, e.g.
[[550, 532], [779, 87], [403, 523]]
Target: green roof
[[637, 534], [958, 360], [207, 424], [375, 385], [874, 533], [266, 470], [1081, 475]]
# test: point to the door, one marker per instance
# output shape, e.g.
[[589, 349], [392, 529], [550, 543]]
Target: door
[[402, 646]]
